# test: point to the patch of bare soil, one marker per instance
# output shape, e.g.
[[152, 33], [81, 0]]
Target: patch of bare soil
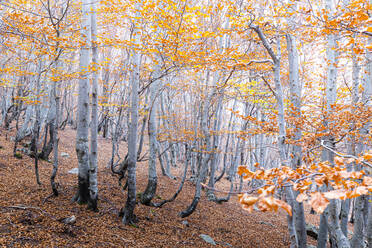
[[29, 217]]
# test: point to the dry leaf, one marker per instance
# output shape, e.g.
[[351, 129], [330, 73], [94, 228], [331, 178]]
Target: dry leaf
[[318, 202]]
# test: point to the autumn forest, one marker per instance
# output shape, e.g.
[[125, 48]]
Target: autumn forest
[[183, 123]]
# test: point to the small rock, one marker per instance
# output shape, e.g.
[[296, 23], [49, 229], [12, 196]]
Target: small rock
[[70, 220], [74, 171], [185, 223], [207, 239], [65, 155]]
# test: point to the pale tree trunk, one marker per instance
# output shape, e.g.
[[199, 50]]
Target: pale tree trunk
[[296, 153], [165, 154], [223, 43], [51, 117], [205, 157], [367, 94], [82, 146], [187, 161], [357, 241], [331, 93], [281, 124], [56, 96], [128, 212], [25, 129], [150, 190], [93, 167], [227, 143], [105, 97], [142, 133], [36, 127], [362, 226]]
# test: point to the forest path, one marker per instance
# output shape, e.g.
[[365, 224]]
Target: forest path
[[37, 224]]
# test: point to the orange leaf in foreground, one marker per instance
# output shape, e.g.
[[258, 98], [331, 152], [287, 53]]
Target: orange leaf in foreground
[[284, 206], [336, 194], [367, 156], [247, 200], [242, 170], [302, 197], [367, 181], [318, 202], [358, 191]]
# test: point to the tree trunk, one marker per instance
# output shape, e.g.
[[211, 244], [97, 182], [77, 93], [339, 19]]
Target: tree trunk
[[93, 167], [128, 212], [150, 190], [82, 147]]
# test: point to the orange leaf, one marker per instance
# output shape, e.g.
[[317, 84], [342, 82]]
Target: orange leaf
[[302, 197], [367, 181], [284, 206], [248, 200], [241, 170], [336, 194], [318, 202], [339, 161], [367, 156]]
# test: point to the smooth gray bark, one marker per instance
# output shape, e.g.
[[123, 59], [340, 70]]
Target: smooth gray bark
[[93, 166], [128, 212], [331, 94], [296, 153], [82, 146], [150, 190]]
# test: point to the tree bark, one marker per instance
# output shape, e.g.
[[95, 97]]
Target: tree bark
[[82, 146], [93, 167], [128, 212]]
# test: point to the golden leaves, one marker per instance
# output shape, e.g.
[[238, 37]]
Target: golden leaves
[[302, 197], [336, 194], [264, 203], [318, 202], [342, 184]]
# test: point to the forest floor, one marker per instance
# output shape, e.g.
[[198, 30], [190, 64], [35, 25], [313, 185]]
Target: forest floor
[[29, 217]]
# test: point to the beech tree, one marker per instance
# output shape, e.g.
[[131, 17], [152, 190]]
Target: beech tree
[[267, 100]]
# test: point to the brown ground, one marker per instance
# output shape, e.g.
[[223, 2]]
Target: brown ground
[[37, 225]]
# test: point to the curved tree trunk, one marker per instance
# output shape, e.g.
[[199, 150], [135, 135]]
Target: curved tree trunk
[[150, 190], [128, 211]]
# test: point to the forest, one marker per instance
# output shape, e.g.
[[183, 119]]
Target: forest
[[184, 123]]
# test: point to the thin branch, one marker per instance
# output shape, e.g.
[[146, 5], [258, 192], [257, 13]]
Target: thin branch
[[342, 155], [233, 193], [268, 85], [265, 43]]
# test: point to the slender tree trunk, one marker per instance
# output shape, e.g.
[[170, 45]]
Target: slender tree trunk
[[296, 155], [56, 96], [150, 190], [331, 88], [36, 128], [82, 146], [205, 159], [93, 167], [128, 212]]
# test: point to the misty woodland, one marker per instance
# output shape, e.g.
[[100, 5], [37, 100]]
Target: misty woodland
[[184, 123]]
